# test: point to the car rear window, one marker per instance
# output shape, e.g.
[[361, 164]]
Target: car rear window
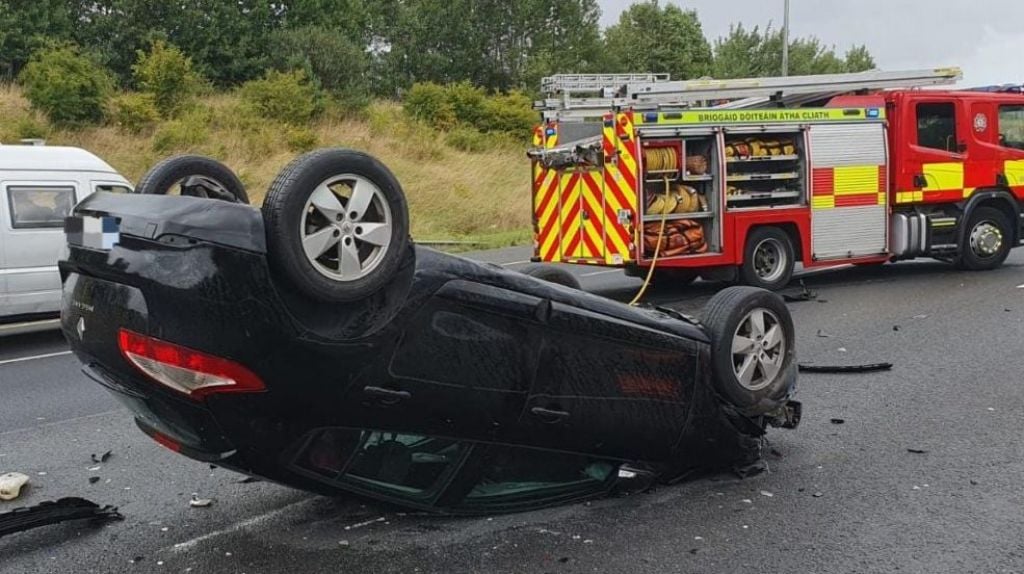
[[39, 206]]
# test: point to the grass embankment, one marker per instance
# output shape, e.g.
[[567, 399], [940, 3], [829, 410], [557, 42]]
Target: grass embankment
[[481, 196]]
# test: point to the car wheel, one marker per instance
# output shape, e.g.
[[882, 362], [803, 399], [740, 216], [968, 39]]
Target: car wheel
[[752, 348], [552, 274], [986, 242], [195, 176], [337, 224], [768, 259]]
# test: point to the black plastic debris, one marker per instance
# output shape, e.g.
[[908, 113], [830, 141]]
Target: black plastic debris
[[55, 512], [917, 451], [823, 334], [895, 327], [101, 458], [838, 421], [94, 479], [872, 367], [805, 294]]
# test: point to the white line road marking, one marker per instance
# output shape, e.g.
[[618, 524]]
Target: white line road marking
[[592, 273], [513, 263], [1020, 286], [61, 422], [34, 357], [259, 518]]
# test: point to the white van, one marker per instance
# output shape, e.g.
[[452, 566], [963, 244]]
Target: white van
[[39, 184]]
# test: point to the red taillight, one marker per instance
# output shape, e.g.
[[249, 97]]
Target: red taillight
[[167, 441], [185, 370]]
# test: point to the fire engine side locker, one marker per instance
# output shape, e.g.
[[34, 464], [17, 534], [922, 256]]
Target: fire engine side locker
[[849, 190]]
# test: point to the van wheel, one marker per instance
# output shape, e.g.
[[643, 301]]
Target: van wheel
[[752, 348], [552, 274], [986, 242], [194, 176], [768, 259], [337, 224]]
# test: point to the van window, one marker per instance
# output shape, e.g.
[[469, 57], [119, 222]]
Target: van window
[[39, 206], [1011, 126], [113, 188], [936, 126]]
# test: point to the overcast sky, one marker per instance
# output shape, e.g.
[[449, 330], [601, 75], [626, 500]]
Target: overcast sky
[[984, 37]]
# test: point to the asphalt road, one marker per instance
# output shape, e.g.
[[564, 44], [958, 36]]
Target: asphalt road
[[844, 497]]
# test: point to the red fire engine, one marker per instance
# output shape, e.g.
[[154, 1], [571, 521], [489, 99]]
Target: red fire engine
[[849, 168]]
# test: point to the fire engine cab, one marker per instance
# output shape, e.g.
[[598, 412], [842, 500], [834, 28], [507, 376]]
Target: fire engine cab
[[741, 179]]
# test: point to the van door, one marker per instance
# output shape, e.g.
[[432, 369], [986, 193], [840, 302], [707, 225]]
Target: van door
[[33, 240], [932, 168]]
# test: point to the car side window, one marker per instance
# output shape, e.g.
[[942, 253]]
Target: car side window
[[1011, 126], [936, 126], [36, 206], [113, 188]]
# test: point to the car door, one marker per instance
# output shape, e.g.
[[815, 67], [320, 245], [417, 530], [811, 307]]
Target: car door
[[33, 229], [606, 386]]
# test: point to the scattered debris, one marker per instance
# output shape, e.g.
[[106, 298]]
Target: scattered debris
[[693, 551], [868, 368], [805, 294], [101, 458], [11, 485], [54, 512], [343, 543], [895, 327], [974, 482], [364, 523], [94, 468], [837, 421], [747, 501], [922, 316], [766, 493], [823, 334], [94, 479], [841, 349], [817, 495], [564, 559], [196, 502], [917, 451], [916, 487], [992, 409]]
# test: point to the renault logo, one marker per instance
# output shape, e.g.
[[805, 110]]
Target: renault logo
[[80, 328]]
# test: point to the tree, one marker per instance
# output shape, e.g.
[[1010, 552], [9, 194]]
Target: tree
[[27, 26], [338, 63], [166, 73], [753, 53], [70, 88], [652, 38]]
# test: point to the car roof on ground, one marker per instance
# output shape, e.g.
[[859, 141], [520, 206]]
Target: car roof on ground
[[50, 158]]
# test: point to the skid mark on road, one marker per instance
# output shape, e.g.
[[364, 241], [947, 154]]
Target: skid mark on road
[[34, 358]]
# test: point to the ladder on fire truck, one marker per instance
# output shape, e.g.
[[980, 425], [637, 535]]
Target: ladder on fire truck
[[587, 95]]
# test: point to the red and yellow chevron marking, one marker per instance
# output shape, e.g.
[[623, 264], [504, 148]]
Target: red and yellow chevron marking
[[545, 213], [847, 186], [592, 225], [569, 216]]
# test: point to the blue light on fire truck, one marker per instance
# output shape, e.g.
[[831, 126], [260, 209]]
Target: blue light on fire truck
[[872, 112], [549, 131], [651, 117]]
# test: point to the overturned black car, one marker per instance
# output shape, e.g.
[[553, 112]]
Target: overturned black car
[[311, 343]]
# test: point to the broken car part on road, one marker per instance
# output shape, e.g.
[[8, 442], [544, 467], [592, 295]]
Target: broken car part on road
[[839, 369], [55, 512], [313, 344]]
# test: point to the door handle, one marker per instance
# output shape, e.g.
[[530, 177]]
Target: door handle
[[919, 180], [549, 416], [387, 396]]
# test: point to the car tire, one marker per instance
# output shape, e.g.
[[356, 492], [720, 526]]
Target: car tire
[[552, 274], [752, 348], [337, 225], [195, 176], [768, 259], [986, 242]]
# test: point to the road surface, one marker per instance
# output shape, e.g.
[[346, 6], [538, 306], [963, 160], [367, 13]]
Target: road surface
[[846, 497]]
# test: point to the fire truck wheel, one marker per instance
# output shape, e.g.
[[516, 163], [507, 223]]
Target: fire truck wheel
[[337, 224], [768, 259], [552, 274], [752, 348], [986, 240], [193, 175]]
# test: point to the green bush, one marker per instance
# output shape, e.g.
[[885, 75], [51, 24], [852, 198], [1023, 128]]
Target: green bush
[[184, 133], [134, 113], [301, 139], [462, 105], [68, 87], [511, 114], [428, 102], [30, 127], [166, 73], [335, 61], [469, 139], [288, 97]]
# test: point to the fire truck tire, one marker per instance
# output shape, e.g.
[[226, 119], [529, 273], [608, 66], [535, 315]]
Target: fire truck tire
[[193, 175], [768, 259], [552, 274], [752, 348], [337, 225], [986, 241]]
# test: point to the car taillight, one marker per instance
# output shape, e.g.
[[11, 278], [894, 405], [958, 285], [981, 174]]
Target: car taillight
[[185, 370]]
